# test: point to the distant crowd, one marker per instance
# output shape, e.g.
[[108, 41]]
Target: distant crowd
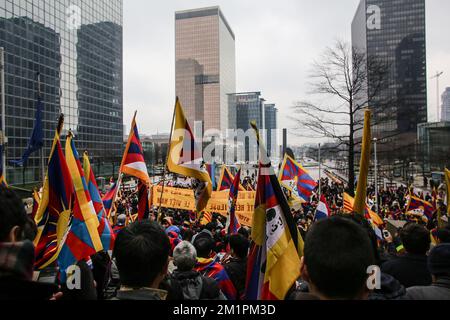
[[179, 258]]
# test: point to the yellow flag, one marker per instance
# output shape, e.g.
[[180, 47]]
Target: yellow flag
[[361, 191], [447, 182], [185, 157]]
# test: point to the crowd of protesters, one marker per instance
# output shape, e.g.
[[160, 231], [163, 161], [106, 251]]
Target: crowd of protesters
[[180, 259]]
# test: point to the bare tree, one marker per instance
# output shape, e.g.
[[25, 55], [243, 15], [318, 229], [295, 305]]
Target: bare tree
[[340, 80]]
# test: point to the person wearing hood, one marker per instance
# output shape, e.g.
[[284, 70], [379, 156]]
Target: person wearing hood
[[191, 283]]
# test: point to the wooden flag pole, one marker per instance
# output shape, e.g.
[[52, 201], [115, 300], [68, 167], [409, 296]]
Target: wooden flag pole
[[119, 178]]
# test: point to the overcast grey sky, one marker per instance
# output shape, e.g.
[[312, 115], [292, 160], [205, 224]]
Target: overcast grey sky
[[276, 41]]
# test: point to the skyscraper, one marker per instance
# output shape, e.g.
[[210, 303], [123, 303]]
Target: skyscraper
[[445, 112], [248, 106], [76, 47], [205, 68], [393, 32], [271, 127]]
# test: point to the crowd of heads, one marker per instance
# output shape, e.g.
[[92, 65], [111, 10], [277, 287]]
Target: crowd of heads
[[172, 255]]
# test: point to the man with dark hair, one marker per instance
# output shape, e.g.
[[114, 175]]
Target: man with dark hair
[[236, 265], [439, 266], [337, 255], [411, 269], [17, 232], [210, 267], [142, 257]]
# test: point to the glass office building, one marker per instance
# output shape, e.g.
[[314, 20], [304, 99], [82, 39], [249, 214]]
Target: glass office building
[[76, 46], [205, 69], [271, 127], [393, 32], [434, 141]]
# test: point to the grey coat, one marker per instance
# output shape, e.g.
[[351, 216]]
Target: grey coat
[[440, 290]]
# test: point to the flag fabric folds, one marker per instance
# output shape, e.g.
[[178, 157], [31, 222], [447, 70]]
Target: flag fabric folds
[[361, 191], [108, 199], [369, 214], [185, 158], [3, 182], [211, 268], [274, 261], [37, 137], [104, 228], [36, 200], [211, 168], [55, 206], [133, 162], [226, 180], [82, 238], [233, 225], [420, 207], [296, 179], [143, 201], [323, 210]]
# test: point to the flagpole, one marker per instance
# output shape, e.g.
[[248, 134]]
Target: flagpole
[[41, 152], [159, 218], [3, 135], [119, 178], [375, 140], [320, 175]]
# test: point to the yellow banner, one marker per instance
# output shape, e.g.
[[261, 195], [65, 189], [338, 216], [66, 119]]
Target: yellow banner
[[183, 199]]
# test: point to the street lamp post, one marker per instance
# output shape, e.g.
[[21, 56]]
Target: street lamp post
[[320, 175], [3, 129]]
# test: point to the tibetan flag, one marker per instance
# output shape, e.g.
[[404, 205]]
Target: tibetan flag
[[55, 207], [108, 199], [133, 162], [104, 228], [36, 200], [185, 158], [233, 225], [211, 168], [369, 214], [143, 201], [274, 261], [323, 210], [81, 239], [214, 270], [296, 179], [420, 207], [226, 180]]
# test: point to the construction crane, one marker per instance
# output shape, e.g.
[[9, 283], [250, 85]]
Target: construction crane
[[438, 100]]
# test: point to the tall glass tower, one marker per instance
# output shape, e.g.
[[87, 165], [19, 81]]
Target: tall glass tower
[[205, 66], [393, 32], [76, 46]]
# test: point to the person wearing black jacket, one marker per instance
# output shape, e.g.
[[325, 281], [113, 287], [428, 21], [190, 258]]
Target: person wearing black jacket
[[236, 265], [411, 269], [186, 283]]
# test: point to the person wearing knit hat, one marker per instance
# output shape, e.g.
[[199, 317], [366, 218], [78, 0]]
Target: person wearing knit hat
[[439, 266]]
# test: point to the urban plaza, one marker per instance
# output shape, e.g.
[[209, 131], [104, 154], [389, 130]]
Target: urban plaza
[[140, 159]]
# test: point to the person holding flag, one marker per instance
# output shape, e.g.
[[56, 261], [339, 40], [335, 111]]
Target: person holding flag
[[274, 261], [233, 225]]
